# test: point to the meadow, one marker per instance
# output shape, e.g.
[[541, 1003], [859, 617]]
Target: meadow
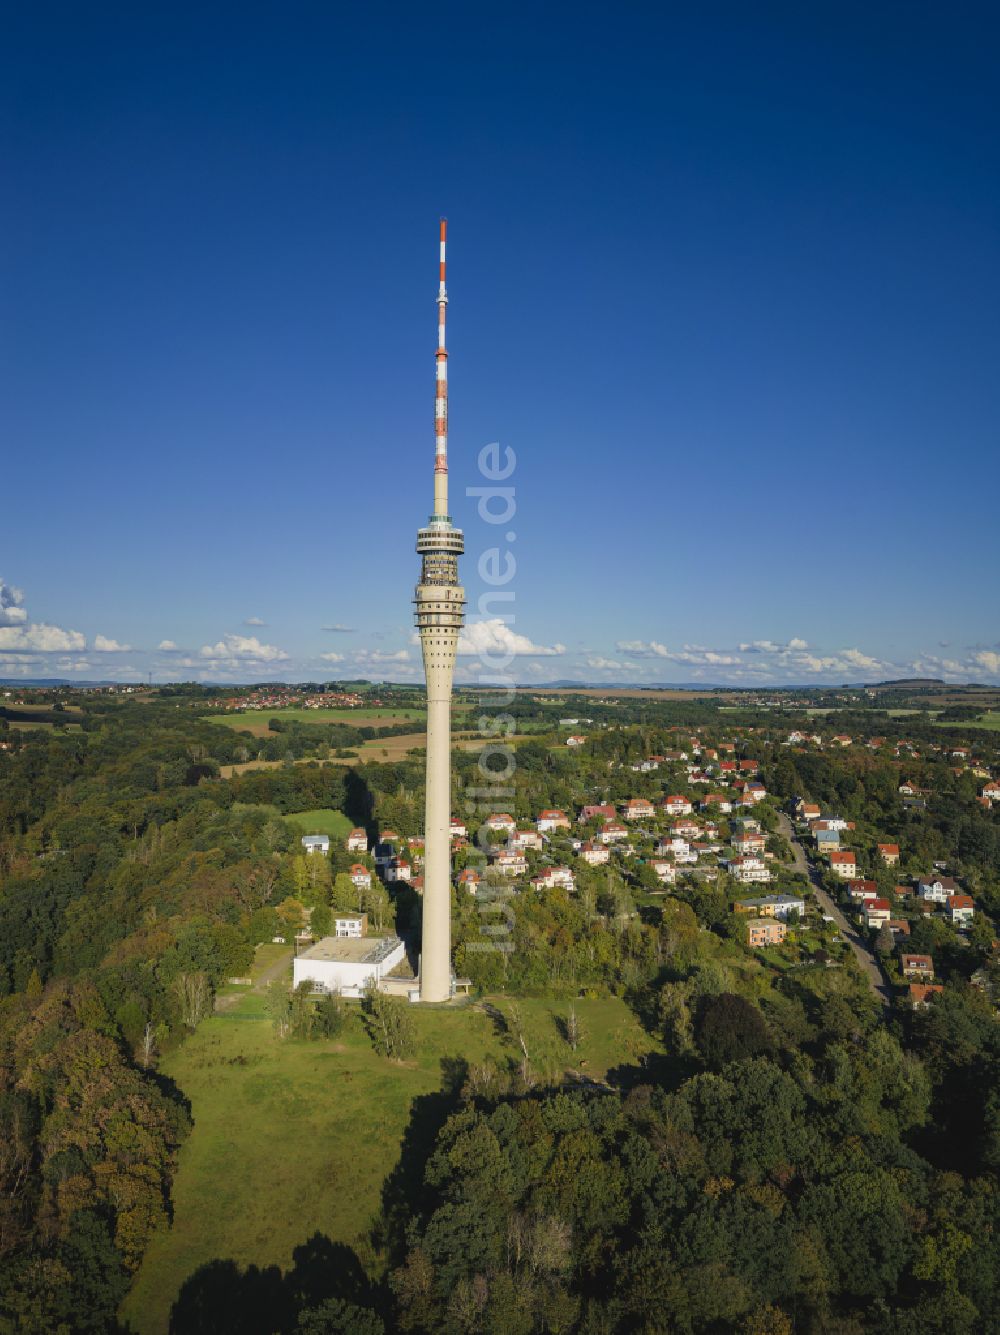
[[323, 820], [296, 1136], [256, 721]]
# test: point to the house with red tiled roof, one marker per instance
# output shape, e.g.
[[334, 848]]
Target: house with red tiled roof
[[638, 808], [920, 993], [604, 810], [843, 864], [357, 841], [919, 968], [552, 820], [960, 909], [877, 912], [889, 853]]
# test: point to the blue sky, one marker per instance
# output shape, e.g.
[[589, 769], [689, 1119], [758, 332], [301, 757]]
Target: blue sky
[[726, 279]]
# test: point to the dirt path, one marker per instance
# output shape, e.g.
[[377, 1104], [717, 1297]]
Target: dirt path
[[260, 983], [860, 947]]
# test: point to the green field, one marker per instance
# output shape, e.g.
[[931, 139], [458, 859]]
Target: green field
[[324, 820], [364, 717], [990, 721], [291, 1137]]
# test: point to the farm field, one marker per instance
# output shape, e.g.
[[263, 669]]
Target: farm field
[[256, 721], [990, 721], [293, 1137]]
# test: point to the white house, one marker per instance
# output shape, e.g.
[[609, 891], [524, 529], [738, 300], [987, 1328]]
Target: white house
[[346, 964], [316, 843], [350, 924], [552, 820], [595, 854], [937, 889], [357, 841], [749, 870]]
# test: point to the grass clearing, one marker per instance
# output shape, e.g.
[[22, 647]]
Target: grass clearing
[[323, 820], [293, 1137]]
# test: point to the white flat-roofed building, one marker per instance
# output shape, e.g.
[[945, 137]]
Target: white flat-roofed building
[[316, 843], [346, 964]]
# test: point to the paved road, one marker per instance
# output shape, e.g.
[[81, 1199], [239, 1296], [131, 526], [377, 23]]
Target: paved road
[[863, 952]]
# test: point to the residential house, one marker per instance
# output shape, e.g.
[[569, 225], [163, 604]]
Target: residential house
[[510, 863], [612, 833], [749, 870], [937, 889], [675, 805], [575, 741], [316, 843], [595, 855], [919, 968], [350, 924], [861, 890], [842, 864], [468, 879], [553, 876], [920, 994], [361, 877], [603, 810], [552, 820], [638, 808], [357, 841], [765, 932], [459, 830], [716, 802], [500, 823], [889, 853], [960, 910], [522, 840], [772, 906], [877, 912], [665, 870]]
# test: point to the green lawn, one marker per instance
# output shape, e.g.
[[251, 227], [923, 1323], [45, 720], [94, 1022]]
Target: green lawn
[[292, 1137], [324, 820]]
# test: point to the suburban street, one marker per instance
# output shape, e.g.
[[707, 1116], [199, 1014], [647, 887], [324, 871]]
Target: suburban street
[[863, 952]]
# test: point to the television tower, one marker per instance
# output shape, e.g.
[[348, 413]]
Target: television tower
[[440, 603]]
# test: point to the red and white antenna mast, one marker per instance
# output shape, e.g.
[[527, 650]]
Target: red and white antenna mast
[[441, 394]]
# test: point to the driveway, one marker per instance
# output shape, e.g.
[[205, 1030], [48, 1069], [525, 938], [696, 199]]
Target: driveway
[[859, 945]]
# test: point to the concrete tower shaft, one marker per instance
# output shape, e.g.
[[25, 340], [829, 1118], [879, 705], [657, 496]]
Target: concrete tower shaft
[[440, 605]]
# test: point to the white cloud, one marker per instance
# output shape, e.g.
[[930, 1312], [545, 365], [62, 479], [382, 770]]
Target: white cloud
[[342, 630], [795, 643], [494, 637], [604, 664], [859, 660], [332, 658], [104, 645], [640, 649], [254, 621], [987, 659], [11, 611], [235, 648], [40, 638], [382, 655], [167, 647], [691, 654]]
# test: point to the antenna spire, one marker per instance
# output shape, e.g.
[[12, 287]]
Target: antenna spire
[[441, 395]]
